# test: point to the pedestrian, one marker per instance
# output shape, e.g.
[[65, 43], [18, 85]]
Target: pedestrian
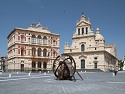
[[115, 71]]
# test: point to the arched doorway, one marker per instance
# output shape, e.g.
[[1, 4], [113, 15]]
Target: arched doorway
[[44, 65], [82, 64], [22, 67], [39, 66], [33, 66]]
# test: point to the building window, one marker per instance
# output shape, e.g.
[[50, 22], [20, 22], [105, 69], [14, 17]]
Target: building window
[[44, 52], [95, 65], [44, 40], [22, 38], [95, 48], [83, 63], [28, 52], [39, 51], [86, 30], [82, 47], [33, 39], [33, 64], [54, 54], [82, 31], [95, 58], [44, 65], [78, 31], [22, 51], [54, 42], [29, 40], [70, 50], [33, 51], [39, 40], [39, 64]]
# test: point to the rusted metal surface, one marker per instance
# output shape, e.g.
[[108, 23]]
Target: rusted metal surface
[[64, 67]]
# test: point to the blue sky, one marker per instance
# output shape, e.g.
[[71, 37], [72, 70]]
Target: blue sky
[[60, 17]]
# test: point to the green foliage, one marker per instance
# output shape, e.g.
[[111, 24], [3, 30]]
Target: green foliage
[[121, 64]]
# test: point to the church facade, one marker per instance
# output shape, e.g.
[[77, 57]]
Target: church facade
[[89, 49], [32, 49]]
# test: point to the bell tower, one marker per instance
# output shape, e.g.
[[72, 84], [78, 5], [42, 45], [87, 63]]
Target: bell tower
[[83, 27]]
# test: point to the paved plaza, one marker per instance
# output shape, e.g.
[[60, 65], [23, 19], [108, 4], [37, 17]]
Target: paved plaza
[[46, 83]]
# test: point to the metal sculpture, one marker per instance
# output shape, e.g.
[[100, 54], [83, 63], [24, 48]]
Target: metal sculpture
[[64, 67]]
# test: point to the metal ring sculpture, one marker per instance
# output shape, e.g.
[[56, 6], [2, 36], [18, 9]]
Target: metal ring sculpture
[[64, 67]]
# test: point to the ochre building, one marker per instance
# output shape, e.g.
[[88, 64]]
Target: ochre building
[[89, 49], [32, 49]]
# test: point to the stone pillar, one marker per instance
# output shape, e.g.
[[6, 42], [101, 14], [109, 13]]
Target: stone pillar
[[36, 65], [42, 65], [36, 53]]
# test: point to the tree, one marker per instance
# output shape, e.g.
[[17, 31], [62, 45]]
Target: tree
[[121, 64]]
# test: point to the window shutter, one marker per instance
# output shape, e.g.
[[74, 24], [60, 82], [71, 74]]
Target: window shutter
[[18, 37], [18, 51], [25, 51]]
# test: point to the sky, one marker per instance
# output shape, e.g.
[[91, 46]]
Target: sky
[[60, 17]]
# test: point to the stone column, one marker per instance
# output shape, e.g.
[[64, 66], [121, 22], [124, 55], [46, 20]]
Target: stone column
[[36, 65]]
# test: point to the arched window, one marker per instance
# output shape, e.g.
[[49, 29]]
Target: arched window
[[22, 38], [78, 31], [44, 40], [54, 54], [33, 51], [82, 47], [33, 39], [22, 51], [86, 30], [39, 51], [82, 31], [39, 40], [44, 52]]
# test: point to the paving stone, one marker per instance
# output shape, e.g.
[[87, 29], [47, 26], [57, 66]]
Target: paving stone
[[38, 83]]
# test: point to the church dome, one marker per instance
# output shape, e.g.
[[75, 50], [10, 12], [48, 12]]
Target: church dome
[[98, 35]]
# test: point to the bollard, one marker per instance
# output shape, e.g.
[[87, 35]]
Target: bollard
[[44, 73], [48, 71], [39, 71], [9, 75], [113, 74], [17, 72], [28, 74], [0, 72]]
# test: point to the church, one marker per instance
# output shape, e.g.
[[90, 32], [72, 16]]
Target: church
[[89, 49]]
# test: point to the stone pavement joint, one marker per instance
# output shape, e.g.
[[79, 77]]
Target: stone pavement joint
[[38, 83]]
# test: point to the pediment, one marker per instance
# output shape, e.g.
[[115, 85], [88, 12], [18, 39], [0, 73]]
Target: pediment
[[82, 56], [82, 24]]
